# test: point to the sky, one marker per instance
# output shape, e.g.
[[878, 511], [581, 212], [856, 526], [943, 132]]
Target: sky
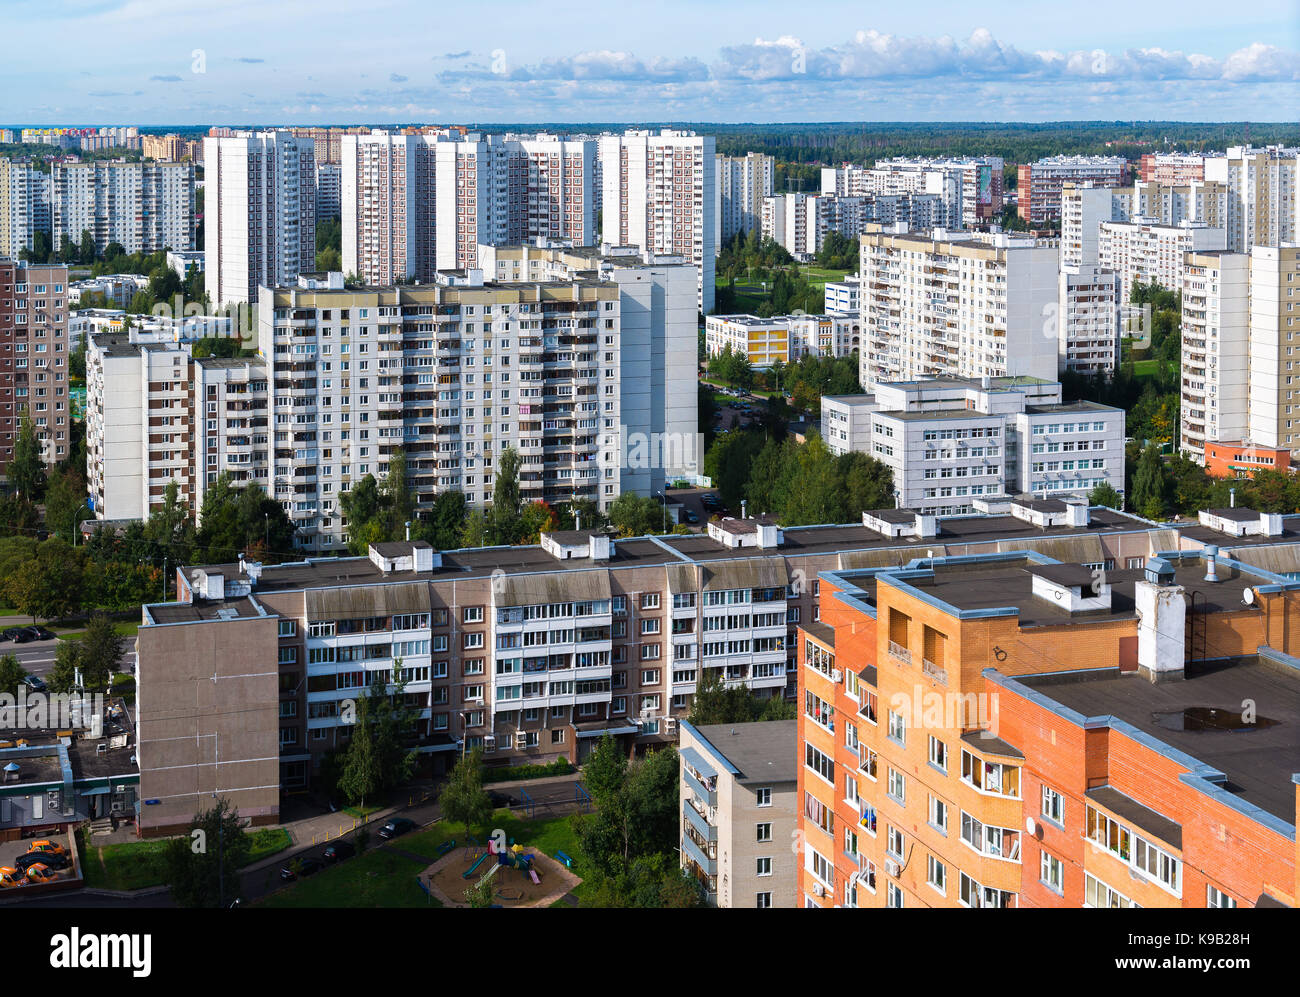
[[179, 62]]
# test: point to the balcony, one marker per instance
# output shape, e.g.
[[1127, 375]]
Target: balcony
[[709, 796], [696, 854], [900, 652], [700, 823], [936, 672]]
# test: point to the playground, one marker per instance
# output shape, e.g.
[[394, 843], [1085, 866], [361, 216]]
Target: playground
[[520, 876]]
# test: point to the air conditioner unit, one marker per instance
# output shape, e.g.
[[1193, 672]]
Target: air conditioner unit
[[892, 868], [837, 675], [819, 890], [521, 739], [670, 724]]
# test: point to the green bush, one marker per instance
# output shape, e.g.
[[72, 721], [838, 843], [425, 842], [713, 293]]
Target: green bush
[[560, 766]]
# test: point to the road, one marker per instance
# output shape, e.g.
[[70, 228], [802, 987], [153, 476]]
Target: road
[[38, 656]]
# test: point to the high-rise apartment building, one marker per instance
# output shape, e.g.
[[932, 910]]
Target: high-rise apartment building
[[144, 207], [660, 195], [952, 194], [329, 191], [259, 213], [1021, 729], [1274, 406], [934, 305], [1088, 316], [1039, 184], [34, 357], [743, 182], [1215, 401], [414, 204], [1172, 167], [1149, 252], [155, 415], [24, 206], [1262, 190]]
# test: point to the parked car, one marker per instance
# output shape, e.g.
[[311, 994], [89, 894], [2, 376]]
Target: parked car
[[24, 636], [40, 633], [52, 859], [500, 799], [396, 826], [691, 516], [338, 851], [305, 867], [9, 633], [39, 872], [46, 847], [34, 683]]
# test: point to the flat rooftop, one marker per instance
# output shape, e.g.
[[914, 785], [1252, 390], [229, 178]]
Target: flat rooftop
[[995, 585], [1258, 762], [698, 548], [762, 751]]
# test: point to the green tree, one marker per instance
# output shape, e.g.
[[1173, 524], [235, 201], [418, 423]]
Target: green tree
[[67, 660], [463, 798], [101, 648], [446, 522], [476, 532], [1105, 494], [362, 773], [203, 866], [11, 674], [26, 470], [605, 770], [1149, 486], [52, 586], [65, 501], [503, 517], [537, 518]]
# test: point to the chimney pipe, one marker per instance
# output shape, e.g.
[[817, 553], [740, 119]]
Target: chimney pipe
[[743, 505], [1211, 568], [577, 520], [408, 531], [1232, 498]]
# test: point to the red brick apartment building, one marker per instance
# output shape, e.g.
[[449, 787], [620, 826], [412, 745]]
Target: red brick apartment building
[[1020, 729], [34, 356]]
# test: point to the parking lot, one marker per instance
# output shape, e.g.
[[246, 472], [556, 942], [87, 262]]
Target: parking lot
[[11, 851], [38, 656]]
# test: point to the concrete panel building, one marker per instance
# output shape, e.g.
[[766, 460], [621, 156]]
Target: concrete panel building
[[738, 811]]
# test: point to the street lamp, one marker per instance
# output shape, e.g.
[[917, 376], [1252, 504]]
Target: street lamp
[[78, 519]]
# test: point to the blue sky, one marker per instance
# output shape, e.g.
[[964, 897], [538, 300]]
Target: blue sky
[[328, 61]]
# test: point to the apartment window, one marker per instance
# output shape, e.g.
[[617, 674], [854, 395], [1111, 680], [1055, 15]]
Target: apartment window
[[1052, 873], [1215, 897], [649, 600], [763, 831], [936, 874], [895, 842], [764, 867], [1053, 807], [1098, 894], [763, 796], [288, 628], [939, 814], [473, 614], [893, 895], [990, 777], [897, 728], [938, 754], [897, 786], [763, 900], [473, 640]]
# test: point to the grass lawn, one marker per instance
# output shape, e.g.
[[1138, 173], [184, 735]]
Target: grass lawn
[[376, 879], [361, 813], [135, 865], [124, 627], [384, 879]]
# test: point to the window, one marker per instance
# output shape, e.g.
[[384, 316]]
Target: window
[[649, 600], [894, 896], [895, 842], [938, 754], [819, 763], [1053, 807], [1098, 894], [897, 727], [897, 786], [990, 777], [938, 814], [763, 796], [1215, 897], [288, 628], [763, 900], [936, 874], [473, 614], [473, 640], [1051, 872], [1137, 851], [764, 867], [764, 831]]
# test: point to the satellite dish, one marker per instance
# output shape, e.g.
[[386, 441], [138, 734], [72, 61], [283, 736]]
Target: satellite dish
[[1030, 826], [1248, 596]]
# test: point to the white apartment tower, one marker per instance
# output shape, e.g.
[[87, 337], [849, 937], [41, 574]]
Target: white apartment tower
[[1261, 185], [743, 183], [932, 306], [1274, 405], [144, 207], [660, 195], [260, 213], [1215, 401], [24, 206], [1149, 252]]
